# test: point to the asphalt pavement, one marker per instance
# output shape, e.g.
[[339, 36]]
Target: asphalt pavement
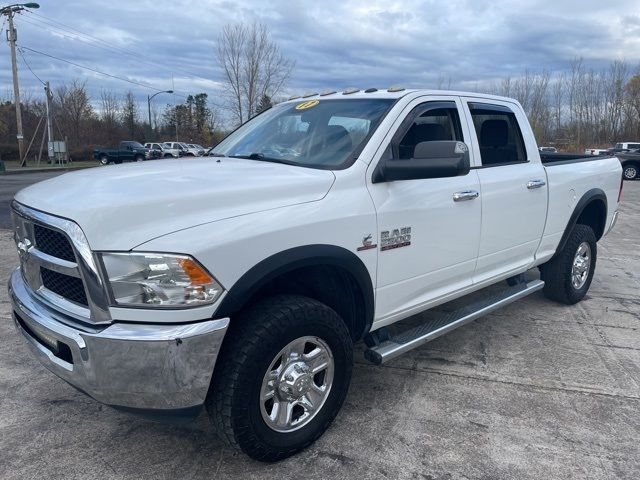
[[11, 184], [536, 390]]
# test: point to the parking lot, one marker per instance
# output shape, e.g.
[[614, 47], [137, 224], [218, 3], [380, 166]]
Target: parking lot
[[537, 390]]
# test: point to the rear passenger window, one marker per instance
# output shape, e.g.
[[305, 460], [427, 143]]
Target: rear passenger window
[[429, 122], [499, 135]]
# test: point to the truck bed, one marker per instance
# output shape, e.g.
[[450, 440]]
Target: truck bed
[[551, 159], [569, 177]]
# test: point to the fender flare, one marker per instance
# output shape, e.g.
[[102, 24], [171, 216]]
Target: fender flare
[[292, 259], [590, 196]]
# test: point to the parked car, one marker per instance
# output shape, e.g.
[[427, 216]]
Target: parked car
[[596, 151], [176, 147], [623, 147], [548, 149], [630, 165], [127, 151], [241, 284], [200, 150], [164, 151], [190, 151]]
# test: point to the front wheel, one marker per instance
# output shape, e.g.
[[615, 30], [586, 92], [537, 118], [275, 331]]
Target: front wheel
[[283, 374], [139, 158], [567, 276], [104, 160], [630, 171]]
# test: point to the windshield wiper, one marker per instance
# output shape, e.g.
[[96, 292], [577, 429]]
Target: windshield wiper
[[215, 154], [262, 157]]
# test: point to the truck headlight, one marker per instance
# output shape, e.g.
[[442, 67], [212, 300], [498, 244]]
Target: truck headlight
[[159, 280]]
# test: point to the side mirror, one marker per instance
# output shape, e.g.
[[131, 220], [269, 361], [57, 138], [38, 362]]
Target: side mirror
[[438, 159]]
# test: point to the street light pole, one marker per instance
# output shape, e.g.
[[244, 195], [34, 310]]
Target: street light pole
[[11, 34], [9, 11], [149, 98]]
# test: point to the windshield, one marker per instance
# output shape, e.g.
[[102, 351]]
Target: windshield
[[313, 133]]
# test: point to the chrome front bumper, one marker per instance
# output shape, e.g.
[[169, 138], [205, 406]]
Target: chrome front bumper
[[134, 366]]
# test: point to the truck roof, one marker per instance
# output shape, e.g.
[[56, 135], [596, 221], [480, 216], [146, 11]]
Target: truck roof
[[393, 92]]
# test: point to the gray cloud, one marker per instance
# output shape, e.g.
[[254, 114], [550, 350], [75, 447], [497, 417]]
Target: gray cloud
[[334, 43]]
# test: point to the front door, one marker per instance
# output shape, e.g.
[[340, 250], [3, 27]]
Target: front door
[[427, 241]]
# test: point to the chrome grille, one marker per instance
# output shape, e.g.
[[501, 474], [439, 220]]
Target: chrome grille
[[64, 285], [58, 265], [53, 243]]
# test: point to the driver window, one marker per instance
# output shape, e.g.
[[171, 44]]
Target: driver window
[[434, 124]]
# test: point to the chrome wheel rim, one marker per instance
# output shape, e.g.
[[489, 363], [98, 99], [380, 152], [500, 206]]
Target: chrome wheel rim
[[104, 160], [296, 384], [630, 172], [581, 266]]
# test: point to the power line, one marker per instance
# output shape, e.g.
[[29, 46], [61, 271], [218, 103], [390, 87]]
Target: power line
[[28, 66], [88, 40], [133, 82], [51, 22], [75, 32]]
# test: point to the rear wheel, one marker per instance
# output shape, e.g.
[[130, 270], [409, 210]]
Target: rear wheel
[[630, 171], [567, 276], [281, 378]]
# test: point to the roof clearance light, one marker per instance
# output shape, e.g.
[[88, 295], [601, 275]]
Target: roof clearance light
[[370, 90], [350, 90], [395, 88], [310, 94], [293, 98], [327, 92]]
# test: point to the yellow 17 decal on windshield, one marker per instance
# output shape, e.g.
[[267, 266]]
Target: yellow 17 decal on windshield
[[308, 104]]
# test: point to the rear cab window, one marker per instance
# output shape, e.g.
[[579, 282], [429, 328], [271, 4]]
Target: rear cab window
[[499, 135]]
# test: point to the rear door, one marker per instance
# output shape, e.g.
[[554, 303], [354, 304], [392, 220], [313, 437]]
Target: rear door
[[513, 187], [427, 241]]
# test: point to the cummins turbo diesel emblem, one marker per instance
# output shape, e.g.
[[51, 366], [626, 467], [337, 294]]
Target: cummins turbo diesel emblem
[[396, 238]]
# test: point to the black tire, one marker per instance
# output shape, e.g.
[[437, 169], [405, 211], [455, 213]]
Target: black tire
[[556, 273], [253, 342], [104, 160], [139, 158], [630, 171]]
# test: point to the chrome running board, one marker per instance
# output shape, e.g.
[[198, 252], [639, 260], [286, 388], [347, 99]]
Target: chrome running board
[[446, 322]]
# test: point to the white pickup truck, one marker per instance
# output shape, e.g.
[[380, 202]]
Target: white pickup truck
[[242, 280]]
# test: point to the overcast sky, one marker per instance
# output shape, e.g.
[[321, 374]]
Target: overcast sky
[[335, 43]]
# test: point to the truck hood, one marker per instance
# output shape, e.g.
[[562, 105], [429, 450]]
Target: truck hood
[[122, 206]]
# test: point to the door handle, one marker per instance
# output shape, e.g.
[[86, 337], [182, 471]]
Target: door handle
[[531, 184], [465, 195]]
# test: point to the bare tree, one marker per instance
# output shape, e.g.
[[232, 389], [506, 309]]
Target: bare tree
[[130, 114], [253, 67], [75, 110], [632, 103]]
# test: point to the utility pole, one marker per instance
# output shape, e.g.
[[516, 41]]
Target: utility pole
[[12, 37], [47, 92]]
